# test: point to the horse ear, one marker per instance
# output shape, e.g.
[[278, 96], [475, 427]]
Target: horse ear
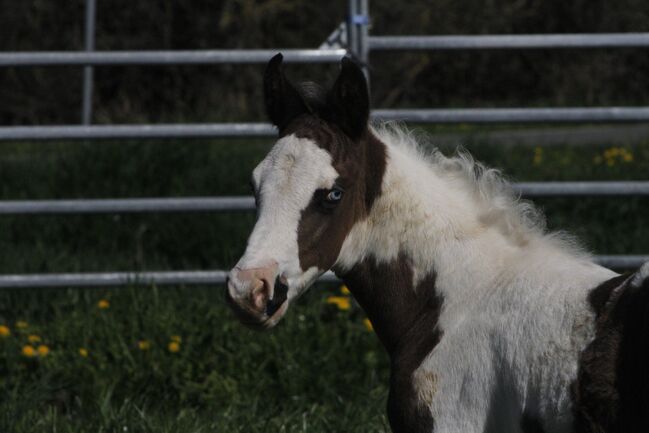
[[349, 100], [283, 101]]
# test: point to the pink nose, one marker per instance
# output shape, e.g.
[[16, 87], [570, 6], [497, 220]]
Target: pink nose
[[253, 288]]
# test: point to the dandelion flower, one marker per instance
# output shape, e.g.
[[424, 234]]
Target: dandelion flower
[[4, 331], [344, 290], [368, 324], [28, 351], [342, 302], [627, 156], [176, 338], [33, 338], [43, 350], [103, 304], [173, 347], [143, 345], [21, 324], [83, 352]]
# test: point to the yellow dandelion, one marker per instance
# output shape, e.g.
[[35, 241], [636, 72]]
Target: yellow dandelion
[[28, 351], [597, 159], [21, 324], [33, 338], [368, 324], [83, 352], [176, 338], [103, 304], [173, 346], [43, 350], [4, 331], [144, 344], [627, 156], [344, 290], [342, 302]]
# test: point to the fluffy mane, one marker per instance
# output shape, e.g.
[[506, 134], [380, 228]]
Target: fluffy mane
[[500, 205]]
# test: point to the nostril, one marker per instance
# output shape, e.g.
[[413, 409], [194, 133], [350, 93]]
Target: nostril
[[260, 296]]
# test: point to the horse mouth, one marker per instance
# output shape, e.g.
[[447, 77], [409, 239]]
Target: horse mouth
[[273, 313]]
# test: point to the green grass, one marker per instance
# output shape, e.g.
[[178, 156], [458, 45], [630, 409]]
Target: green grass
[[301, 377], [319, 371]]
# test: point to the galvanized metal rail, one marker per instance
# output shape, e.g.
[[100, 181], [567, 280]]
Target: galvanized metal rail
[[246, 203], [230, 130], [517, 115], [500, 42], [114, 279], [176, 57], [115, 132], [192, 278], [127, 205]]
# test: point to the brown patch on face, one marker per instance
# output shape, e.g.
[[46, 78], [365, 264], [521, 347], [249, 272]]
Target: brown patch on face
[[360, 165], [611, 393], [405, 320]]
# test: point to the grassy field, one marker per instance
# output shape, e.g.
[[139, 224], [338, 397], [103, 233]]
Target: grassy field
[[174, 359]]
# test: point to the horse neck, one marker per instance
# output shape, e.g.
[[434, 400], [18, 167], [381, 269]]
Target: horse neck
[[422, 245]]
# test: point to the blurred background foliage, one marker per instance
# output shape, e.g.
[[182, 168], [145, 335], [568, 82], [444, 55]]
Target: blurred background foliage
[[135, 94]]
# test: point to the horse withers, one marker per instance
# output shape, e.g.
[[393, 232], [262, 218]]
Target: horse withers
[[491, 323]]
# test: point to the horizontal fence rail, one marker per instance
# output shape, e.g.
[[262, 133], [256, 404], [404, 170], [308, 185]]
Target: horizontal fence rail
[[128, 205], [246, 203], [108, 279], [483, 42], [95, 132], [189, 57], [517, 115], [167, 278], [592, 188], [232, 130]]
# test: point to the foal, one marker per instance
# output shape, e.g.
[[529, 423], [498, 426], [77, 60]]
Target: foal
[[491, 324]]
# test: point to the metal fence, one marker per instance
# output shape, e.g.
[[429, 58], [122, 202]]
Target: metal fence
[[359, 44]]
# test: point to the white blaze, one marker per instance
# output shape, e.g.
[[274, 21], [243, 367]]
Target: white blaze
[[285, 181]]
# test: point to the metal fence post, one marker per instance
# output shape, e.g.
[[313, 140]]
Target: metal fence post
[[89, 45], [358, 34], [352, 40], [363, 37]]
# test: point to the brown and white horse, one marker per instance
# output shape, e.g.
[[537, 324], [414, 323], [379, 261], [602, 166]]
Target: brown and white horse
[[491, 324]]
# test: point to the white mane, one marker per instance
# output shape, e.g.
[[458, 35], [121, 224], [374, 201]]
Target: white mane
[[499, 204]]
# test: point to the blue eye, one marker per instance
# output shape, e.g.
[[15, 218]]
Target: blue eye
[[335, 195]]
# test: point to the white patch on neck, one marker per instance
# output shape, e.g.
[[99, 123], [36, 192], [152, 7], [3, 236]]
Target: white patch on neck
[[286, 180]]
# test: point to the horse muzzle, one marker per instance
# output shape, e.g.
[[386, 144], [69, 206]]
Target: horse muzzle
[[257, 296]]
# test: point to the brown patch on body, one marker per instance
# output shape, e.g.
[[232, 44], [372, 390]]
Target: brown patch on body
[[611, 393], [405, 319]]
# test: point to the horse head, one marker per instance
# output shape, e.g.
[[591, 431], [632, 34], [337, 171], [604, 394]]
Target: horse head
[[319, 178]]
